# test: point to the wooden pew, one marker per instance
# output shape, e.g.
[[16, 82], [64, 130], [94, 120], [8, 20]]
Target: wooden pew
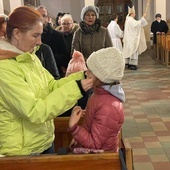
[[100, 161], [158, 47], [167, 50], [62, 137], [163, 48]]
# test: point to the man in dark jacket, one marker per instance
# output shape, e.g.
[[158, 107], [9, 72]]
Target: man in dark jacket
[[45, 54], [158, 26], [55, 40]]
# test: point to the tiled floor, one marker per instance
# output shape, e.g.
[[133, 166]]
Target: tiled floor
[[147, 113]]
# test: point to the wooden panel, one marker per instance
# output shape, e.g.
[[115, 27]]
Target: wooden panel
[[167, 46], [163, 41], [62, 137], [71, 162]]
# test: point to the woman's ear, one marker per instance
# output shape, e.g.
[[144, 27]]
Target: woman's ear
[[16, 33]]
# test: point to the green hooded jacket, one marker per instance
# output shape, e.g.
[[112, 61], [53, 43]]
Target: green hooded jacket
[[30, 99]]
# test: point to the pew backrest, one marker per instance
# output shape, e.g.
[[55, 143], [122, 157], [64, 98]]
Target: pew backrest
[[99, 161]]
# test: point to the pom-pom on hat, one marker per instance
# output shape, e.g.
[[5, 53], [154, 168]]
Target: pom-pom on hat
[[89, 8], [107, 64]]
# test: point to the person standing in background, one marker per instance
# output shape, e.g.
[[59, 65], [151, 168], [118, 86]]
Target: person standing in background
[[90, 36], [134, 42], [55, 40], [67, 28], [46, 56], [158, 26], [115, 32], [58, 19]]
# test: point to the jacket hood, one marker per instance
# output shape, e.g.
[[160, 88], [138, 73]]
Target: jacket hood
[[115, 90], [74, 28], [7, 50]]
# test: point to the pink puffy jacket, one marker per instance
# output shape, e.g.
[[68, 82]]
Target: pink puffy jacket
[[102, 123]]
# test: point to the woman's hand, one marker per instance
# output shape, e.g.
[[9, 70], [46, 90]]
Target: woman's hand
[[76, 114], [87, 84]]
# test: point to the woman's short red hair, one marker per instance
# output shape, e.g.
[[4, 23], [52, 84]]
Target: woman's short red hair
[[22, 18]]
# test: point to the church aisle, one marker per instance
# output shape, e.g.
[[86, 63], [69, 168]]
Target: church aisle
[[147, 113]]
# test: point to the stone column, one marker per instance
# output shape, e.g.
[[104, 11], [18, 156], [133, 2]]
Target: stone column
[[160, 7], [89, 2], [15, 4], [1, 7]]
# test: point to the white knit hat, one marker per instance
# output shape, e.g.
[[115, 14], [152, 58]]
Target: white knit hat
[[89, 8], [107, 64]]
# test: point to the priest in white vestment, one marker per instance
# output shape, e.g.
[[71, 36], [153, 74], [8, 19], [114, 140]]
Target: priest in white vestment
[[115, 32], [134, 42]]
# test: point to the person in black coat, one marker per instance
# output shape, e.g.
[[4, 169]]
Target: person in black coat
[[158, 26], [45, 54], [55, 40]]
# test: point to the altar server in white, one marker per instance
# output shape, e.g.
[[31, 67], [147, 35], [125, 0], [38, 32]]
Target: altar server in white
[[115, 32]]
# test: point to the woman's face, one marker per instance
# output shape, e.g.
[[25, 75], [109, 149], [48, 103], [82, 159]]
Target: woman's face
[[59, 20], [90, 17], [67, 25], [3, 29], [26, 41]]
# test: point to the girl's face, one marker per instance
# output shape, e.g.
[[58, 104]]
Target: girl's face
[[90, 17], [26, 41], [96, 81]]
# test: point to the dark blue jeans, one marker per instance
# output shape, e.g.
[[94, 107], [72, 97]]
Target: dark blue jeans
[[50, 150]]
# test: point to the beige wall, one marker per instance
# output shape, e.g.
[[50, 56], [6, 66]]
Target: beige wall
[[160, 7], [69, 6], [1, 7], [89, 2]]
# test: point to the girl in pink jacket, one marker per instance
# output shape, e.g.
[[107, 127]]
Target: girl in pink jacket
[[104, 114]]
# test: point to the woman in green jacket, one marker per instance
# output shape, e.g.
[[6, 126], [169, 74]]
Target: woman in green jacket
[[30, 98]]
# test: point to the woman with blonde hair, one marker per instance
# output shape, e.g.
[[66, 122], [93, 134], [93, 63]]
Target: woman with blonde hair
[[67, 27]]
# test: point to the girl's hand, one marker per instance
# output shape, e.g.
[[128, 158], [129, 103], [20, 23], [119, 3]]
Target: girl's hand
[[73, 144], [76, 114]]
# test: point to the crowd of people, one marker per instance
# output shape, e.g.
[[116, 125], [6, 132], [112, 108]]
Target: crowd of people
[[35, 89]]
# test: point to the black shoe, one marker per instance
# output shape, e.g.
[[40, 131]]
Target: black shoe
[[133, 67], [126, 65], [129, 66]]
